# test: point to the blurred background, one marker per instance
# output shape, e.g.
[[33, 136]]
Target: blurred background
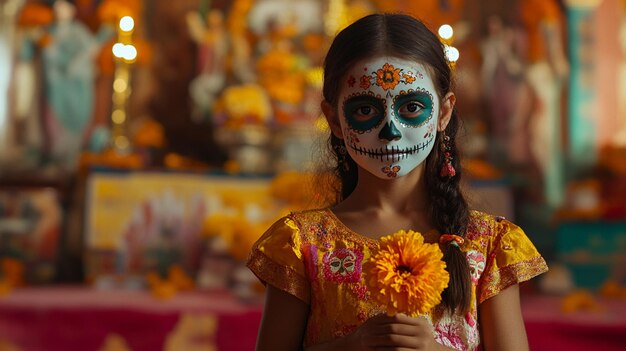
[[145, 145]]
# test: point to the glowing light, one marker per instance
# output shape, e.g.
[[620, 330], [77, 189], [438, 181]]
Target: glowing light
[[130, 53], [126, 52], [121, 142], [118, 50], [127, 23], [452, 53], [118, 116], [446, 31], [120, 85]]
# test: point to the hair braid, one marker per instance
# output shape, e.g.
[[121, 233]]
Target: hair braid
[[345, 169], [449, 212]]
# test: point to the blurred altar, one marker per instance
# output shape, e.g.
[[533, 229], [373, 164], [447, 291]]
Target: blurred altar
[[145, 145]]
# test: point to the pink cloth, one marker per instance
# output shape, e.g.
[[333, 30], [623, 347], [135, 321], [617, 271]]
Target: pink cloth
[[550, 329], [51, 319]]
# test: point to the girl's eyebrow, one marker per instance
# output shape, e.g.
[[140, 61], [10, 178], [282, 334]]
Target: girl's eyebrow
[[413, 93], [362, 95]]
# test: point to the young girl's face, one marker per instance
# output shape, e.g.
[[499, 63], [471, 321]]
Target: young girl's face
[[388, 111]]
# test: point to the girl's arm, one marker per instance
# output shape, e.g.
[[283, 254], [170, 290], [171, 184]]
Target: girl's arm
[[283, 323], [501, 322], [382, 332], [285, 318]]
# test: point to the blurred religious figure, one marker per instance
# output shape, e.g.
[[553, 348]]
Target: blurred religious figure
[[212, 40], [546, 72], [506, 91], [29, 138], [69, 83]]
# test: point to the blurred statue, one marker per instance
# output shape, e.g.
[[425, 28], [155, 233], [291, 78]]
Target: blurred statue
[[240, 55], [506, 91], [546, 72], [212, 40], [69, 83], [29, 138]]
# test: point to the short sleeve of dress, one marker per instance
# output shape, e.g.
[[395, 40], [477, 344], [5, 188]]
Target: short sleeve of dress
[[276, 259], [512, 259]]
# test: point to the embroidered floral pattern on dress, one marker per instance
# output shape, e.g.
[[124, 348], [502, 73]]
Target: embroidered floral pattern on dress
[[318, 230], [469, 319], [343, 265], [471, 329], [476, 262], [449, 334], [360, 290]]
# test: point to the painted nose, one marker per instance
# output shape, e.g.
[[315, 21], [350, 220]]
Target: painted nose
[[389, 132]]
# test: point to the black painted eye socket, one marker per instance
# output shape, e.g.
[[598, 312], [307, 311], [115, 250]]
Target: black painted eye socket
[[414, 108], [363, 112]]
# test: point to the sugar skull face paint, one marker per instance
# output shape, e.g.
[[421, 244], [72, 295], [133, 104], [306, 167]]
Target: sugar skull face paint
[[388, 113]]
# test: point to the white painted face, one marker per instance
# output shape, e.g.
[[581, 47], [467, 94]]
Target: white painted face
[[388, 114]]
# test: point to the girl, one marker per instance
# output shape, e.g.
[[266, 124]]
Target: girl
[[389, 104]]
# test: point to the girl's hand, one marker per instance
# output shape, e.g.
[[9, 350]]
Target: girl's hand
[[399, 332]]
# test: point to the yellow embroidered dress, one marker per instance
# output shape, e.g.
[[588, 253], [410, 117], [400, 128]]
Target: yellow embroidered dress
[[315, 257]]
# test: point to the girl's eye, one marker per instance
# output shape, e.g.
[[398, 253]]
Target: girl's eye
[[364, 113], [365, 110], [411, 109]]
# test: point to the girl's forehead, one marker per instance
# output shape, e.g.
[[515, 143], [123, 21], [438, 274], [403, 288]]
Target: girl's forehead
[[385, 75], [378, 62]]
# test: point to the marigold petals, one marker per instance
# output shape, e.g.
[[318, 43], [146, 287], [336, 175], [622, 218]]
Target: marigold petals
[[407, 275]]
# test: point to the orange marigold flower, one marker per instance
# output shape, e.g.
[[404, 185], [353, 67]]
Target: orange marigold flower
[[407, 275], [388, 77], [409, 78]]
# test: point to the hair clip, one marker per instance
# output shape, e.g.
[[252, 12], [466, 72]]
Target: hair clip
[[451, 239]]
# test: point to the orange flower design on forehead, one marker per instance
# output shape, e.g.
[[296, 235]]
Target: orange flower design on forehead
[[387, 77]]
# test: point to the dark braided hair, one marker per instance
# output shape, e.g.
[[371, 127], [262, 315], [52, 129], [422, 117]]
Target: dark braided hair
[[405, 37]]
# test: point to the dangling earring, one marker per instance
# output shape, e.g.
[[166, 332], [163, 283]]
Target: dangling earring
[[447, 169], [341, 156]]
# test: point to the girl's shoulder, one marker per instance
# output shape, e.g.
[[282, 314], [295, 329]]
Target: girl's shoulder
[[303, 221], [309, 215], [484, 227], [481, 222]]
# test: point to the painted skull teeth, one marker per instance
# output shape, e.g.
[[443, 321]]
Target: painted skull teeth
[[392, 153]]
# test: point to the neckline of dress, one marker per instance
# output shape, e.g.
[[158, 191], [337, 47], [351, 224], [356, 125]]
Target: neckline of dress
[[360, 237]]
